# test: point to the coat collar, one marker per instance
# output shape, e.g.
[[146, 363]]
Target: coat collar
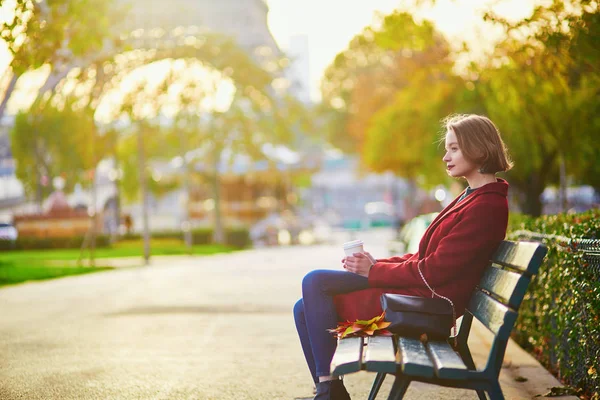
[[500, 187]]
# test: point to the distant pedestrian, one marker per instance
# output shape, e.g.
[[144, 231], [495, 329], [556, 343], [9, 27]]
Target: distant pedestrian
[[452, 254]]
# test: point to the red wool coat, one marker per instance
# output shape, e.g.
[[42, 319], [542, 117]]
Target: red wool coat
[[453, 253]]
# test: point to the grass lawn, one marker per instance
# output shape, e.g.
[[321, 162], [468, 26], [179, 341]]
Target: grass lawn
[[24, 265], [11, 272]]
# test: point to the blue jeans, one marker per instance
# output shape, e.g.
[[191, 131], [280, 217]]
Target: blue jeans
[[315, 312]]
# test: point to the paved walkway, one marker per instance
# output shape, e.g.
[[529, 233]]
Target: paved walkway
[[216, 327]]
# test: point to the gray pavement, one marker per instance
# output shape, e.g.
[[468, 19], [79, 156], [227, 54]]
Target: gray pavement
[[216, 327]]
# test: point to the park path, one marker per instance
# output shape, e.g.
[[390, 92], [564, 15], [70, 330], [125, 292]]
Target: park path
[[215, 327]]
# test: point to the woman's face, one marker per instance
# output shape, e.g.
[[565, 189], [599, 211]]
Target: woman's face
[[456, 164]]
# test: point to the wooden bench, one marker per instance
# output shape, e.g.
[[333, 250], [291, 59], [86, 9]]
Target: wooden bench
[[495, 303]]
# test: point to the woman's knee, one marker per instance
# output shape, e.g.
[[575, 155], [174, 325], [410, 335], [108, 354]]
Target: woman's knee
[[313, 279], [299, 310]]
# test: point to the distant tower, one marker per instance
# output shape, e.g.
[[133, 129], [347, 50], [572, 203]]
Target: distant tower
[[243, 20], [299, 72]]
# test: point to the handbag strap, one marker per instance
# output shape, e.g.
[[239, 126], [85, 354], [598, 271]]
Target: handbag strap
[[434, 293]]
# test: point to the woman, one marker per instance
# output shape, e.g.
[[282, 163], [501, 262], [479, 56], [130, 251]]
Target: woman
[[452, 254]]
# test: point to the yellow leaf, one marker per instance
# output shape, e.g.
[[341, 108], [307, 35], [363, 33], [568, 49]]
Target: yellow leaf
[[347, 332], [366, 323]]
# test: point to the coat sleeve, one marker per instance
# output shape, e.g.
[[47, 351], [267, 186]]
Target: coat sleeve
[[479, 231], [395, 259]]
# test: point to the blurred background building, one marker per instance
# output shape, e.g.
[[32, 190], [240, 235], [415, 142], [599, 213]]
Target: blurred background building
[[243, 20], [299, 72]]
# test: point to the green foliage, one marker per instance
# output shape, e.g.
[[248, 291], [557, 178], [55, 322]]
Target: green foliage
[[384, 95], [48, 141], [403, 136], [541, 88], [128, 152], [238, 237], [387, 93], [559, 319], [46, 31], [59, 34]]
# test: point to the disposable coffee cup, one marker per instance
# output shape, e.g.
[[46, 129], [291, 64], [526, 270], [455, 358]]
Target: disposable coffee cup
[[355, 246]]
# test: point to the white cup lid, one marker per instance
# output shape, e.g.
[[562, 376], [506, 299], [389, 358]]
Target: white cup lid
[[354, 243]]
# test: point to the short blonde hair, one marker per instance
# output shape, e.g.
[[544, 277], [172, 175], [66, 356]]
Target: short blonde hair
[[480, 142]]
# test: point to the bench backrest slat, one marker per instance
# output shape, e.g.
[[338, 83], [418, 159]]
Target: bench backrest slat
[[525, 257], [497, 317], [508, 286]]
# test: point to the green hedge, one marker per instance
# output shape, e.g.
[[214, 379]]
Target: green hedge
[[559, 320], [237, 237], [29, 243]]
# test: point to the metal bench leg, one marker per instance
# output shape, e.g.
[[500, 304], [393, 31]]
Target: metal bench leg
[[376, 385], [495, 392], [399, 388], [465, 354]]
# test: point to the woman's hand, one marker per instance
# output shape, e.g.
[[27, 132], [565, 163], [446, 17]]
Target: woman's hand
[[359, 263]]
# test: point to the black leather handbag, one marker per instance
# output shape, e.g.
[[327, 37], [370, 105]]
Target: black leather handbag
[[414, 316]]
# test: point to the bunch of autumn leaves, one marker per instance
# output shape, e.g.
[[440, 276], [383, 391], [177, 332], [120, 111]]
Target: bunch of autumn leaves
[[362, 328]]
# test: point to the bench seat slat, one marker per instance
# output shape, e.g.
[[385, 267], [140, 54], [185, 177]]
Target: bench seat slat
[[380, 355], [414, 358], [348, 356], [447, 364], [508, 285]]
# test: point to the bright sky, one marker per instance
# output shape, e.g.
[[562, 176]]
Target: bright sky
[[331, 24]]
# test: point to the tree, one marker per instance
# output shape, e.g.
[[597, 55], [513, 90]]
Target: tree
[[386, 75], [542, 89], [404, 137], [50, 141], [63, 34], [386, 95]]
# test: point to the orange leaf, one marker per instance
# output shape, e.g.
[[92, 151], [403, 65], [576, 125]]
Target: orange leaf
[[383, 324]]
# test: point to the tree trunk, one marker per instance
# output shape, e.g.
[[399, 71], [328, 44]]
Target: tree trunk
[[144, 190], [218, 234], [186, 225], [9, 91], [532, 189], [117, 182], [94, 219]]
